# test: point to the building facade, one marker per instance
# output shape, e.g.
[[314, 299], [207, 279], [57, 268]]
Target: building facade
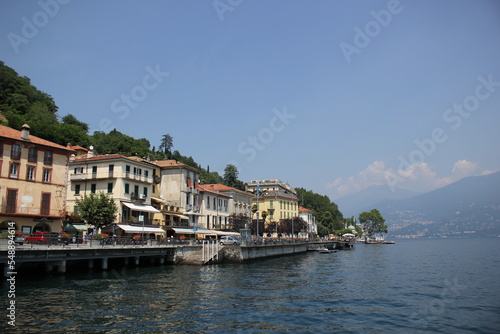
[[215, 207], [178, 193], [240, 201], [275, 199], [33, 175], [128, 180], [308, 217]]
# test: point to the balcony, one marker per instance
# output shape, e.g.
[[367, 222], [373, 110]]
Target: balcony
[[138, 197], [170, 209], [138, 177], [92, 176]]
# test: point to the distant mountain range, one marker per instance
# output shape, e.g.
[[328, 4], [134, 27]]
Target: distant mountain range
[[468, 207]]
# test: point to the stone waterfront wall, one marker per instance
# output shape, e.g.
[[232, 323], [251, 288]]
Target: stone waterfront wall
[[246, 253]]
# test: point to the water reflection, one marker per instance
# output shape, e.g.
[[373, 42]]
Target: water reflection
[[372, 288]]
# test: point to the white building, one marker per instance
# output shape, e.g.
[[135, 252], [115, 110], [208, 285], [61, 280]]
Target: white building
[[309, 218], [128, 180], [214, 208], [240, 201]]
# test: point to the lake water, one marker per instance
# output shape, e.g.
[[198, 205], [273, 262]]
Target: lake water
[[438, 286]]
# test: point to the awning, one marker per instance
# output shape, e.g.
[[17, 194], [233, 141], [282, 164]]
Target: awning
[[140, 229], [191, 231], [227, 233], [183, 231], [159, 200], [180, 216], [206, 232], [141, 207], [76, 227]]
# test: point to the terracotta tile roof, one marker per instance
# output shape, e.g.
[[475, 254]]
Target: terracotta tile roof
[[76, 147], [173, 163], [301, 209], [222, 187], [84, 158], [203, 188], [11, 133]]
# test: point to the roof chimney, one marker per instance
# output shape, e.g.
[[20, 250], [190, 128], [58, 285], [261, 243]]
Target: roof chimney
[[25, 132], [90, 153]]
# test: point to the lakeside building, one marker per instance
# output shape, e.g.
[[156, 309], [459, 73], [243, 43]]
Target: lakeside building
[[33, 174], [214, 209], [308, 217], [128, 180], [177, 194], [240, 201], [276, 199]]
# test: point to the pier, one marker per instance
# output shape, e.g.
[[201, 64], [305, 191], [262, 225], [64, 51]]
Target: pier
[[58, 258]]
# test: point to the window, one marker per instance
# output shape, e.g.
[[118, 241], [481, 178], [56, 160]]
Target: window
[[93, 188], [110, 187], [214, 205], [94, 171], [77, 189], [45, 207], [30, 173], [78, 170], [32, 152], [11, 200], [47, 158], [145, 191], [127, 170], [14, 170], [46, 175], [127, 188], [1, 149], [136, 190], [15, 151], [208, 202], [146, 173]]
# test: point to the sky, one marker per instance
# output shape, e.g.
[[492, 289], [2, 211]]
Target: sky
[[331, 96]]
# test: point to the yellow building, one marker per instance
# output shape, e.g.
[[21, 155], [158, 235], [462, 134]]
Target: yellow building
[[275, 198], [33, 180]]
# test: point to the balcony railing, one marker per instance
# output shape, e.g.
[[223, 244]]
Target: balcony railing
[[92, 176], [138, 197]]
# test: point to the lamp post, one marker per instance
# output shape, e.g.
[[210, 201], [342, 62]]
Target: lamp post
[[257, 229]]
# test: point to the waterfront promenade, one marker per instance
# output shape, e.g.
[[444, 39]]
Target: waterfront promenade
[[96, 254]]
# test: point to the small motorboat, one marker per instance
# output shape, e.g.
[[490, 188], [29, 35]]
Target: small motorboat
[[326, 250]]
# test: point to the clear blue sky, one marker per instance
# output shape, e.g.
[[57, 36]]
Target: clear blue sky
[[326, 95]]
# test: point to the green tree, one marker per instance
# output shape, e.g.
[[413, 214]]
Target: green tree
[[326, 212], [210, 177], [373, 221], [231, 175], [72, 120], [97, 209], [116, 142], [167, 142], [239, 222]]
